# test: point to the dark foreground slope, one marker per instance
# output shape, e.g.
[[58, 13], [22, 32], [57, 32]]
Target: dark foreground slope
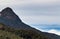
[[11, 24], [7, 32]]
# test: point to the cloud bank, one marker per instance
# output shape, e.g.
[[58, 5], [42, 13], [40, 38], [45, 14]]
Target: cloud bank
[[54, 31]]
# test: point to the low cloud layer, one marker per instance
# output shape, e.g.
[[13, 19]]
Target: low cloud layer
[[54, 31], [57, 32]]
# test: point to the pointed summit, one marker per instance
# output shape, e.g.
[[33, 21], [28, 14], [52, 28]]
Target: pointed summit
[[8, 12], [7, 8], [9, 17]]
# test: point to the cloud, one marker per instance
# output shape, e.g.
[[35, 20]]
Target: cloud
[[41, 11], [46, 27], [54, 31], [36, 9], [25, 2], [41, 19]]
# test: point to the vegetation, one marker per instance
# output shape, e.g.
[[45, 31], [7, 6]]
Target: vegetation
[[12, 33]]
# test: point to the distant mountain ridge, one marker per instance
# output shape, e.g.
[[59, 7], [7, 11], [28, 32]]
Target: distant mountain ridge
[[10, 19]]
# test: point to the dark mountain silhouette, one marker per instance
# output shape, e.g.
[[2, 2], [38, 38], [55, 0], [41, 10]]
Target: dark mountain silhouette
[[10, 19]]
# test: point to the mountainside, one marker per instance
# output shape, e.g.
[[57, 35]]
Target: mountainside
[[11, 24], [8, 17]]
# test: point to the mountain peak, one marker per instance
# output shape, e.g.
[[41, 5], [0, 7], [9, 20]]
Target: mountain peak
[[7, 9], [9, 15]]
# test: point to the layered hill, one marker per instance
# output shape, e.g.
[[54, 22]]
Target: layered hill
[[12, 25]]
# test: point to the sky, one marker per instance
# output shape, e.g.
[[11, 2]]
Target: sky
[[40, 14]]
